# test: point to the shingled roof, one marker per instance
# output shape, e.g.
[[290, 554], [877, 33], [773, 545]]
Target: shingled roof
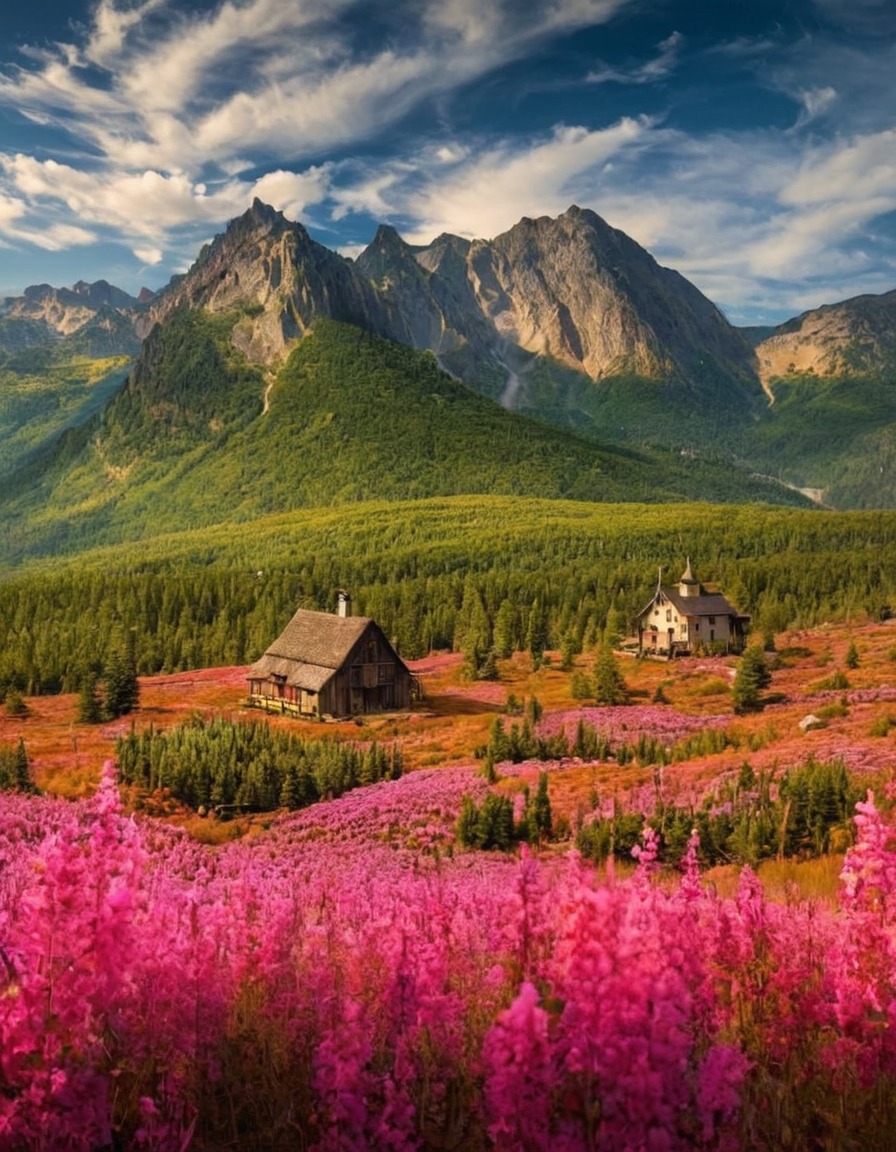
[[311, 647], [707, 602]]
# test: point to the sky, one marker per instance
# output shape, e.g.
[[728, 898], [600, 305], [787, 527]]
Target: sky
[[749, 145]]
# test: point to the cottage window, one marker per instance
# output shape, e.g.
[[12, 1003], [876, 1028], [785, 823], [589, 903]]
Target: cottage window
[[712, 619], [386, 674], [668, 615]]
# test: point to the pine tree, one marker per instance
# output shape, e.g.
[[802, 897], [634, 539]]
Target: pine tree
[[537, 634], [752, 676], [569, 649], [122, 686], [468, 823], [609, 686], [541, 823], [90, 707], [505, 629]]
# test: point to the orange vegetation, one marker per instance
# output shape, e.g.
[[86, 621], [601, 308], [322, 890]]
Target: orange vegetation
[[455, 715]]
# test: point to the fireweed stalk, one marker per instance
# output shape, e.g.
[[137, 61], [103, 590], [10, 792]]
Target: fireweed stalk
[[352, 981]]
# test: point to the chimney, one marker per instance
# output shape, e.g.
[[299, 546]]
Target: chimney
[[344, 604]]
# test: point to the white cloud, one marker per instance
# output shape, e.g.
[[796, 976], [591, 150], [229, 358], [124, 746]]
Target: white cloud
[[863, 167], [150, 256], [488, 193], [292, 192], [10, 210], [111, 25], [281, 81], [140, 203], [815, 102], [656, 69], [302, 115]]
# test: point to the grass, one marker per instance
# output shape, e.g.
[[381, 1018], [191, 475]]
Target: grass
[[786, 880]]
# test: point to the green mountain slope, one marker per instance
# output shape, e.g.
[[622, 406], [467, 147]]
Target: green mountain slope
[[836, 434], [200, 436], [44, 391]]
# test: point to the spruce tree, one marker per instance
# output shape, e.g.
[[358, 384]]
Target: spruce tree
[[505, 629], [752, 676], [90, 707], [122, 686], [537, 633], [609, 686], [22, 770], [541, 822]]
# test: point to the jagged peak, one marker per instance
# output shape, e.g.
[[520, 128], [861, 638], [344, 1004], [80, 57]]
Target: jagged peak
[[449, 240], [259, 210], [259, 217], [386, 234]]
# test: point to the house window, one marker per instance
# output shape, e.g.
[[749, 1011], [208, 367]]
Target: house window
[[712, 619], [668, 615], [386, 674], [696, 625]]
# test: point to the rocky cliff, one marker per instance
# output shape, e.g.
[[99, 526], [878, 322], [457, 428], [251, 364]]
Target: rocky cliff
[[570, 289], [854, 337], [89, 319]]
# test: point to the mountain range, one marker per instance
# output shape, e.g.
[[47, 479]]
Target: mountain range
[[558, 358]]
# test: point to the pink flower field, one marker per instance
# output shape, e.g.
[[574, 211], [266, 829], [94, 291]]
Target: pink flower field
[[628, 722], [350, 981]]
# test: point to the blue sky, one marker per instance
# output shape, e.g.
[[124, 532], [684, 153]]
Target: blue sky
[[751, 146]]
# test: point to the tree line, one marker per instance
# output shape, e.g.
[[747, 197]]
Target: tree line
[[485, 576]]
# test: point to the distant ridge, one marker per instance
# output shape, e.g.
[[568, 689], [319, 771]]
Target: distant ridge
[[566, 320]]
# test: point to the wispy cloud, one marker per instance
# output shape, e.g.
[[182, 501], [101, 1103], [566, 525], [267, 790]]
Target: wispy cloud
[[486, 192], [155, 122], [647, 73], [161, 109]]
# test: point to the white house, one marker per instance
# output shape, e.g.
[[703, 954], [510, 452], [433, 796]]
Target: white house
[[689, 616]]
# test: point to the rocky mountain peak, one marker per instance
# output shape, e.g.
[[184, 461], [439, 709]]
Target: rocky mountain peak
[[386, 256], [850, 338]]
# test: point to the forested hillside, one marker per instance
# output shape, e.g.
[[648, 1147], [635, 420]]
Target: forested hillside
[[199, 436], [44, 391], [429, 571]]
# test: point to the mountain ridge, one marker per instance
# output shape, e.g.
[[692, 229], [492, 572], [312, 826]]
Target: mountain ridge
[[564, 319]]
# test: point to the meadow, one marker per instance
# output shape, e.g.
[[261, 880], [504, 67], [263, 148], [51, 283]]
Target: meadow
[[349, 976]]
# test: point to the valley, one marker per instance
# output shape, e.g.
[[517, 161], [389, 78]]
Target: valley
[[449, 726]]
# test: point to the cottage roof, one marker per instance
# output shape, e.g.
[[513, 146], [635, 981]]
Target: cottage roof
[[706, 604], [707, 601], [310, 648]]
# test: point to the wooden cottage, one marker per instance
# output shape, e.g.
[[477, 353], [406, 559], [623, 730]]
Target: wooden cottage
[[689, 616], [326, 665]]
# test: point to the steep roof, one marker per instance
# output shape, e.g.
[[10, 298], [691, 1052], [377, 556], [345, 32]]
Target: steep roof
[[706, 604], [310, 648]]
